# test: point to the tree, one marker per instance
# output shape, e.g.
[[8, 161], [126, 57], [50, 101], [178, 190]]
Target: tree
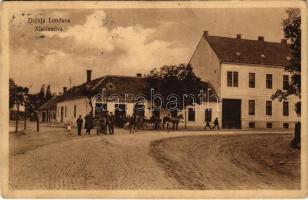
[[41, 95], [174, 80], [48, 95], [89, 94], [292, 32], [17, 97]]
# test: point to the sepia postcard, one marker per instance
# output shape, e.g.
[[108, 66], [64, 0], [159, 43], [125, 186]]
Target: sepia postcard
[[153, 99]]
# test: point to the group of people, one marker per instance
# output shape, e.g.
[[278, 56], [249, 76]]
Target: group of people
[[105, 124], [215, 124], [105, 121]]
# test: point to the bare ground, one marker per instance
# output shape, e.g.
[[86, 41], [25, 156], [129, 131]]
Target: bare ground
[[151, 160], [230, 162]]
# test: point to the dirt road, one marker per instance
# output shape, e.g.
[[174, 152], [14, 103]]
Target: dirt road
[[116, 162], [230, 162]]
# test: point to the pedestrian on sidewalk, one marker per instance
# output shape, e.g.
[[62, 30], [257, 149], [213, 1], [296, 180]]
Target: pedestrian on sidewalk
[[208, 125], [88, 123], [110, 123], [132, 124], [79, 122], [216, 124]]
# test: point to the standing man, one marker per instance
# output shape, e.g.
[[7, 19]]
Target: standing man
[[79, 122], [216, 124], [88, 123], [111, 123]]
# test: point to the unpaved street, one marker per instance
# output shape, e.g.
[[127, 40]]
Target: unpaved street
[[121, 161]]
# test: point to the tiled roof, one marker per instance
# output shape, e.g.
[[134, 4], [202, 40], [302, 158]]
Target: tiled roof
[[235, 50], [119, 85], [114, 85], [50, 104]]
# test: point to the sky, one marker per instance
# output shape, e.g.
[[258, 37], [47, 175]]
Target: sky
[[123, 41]]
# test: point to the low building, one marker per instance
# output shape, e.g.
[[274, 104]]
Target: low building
[[118, 89], [121, 95], [47, 111], [245, 74]]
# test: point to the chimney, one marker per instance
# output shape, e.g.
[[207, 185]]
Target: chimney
[[205, 33], [261, 38], [139, 74], [239, 36], [283, 41], [64, 90], [89, 75]]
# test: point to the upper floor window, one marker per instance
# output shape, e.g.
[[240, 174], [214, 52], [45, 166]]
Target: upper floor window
[[285, 83], [268, 107], [252, 80], [285, 108], [232, 79], [269, 81], [251, 107], [191, 114]]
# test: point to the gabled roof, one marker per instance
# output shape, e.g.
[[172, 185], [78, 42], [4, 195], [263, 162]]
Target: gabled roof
[[119, 85], [50, 104], [236, 50], [116, 85]]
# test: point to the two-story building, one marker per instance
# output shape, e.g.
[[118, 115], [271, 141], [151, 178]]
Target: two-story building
[[245, 74]]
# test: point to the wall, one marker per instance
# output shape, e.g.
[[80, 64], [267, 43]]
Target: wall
[[260, 94], [206, 64], [83, 108], [200, 114]]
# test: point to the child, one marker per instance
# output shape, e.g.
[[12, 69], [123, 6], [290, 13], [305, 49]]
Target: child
[[69, 129]]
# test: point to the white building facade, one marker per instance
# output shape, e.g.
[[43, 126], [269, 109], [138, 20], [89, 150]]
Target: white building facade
[[245, 74]]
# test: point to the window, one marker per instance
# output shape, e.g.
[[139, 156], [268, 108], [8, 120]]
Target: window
[[285, 125], [285, 108], [229, 79], [285, 83], [191, 114], [251, 107], [269, 125], [208, 115], [252, 80], [75, 110], [269, 81], [268, 107], [65, 111], [232, 79], [251, 125]]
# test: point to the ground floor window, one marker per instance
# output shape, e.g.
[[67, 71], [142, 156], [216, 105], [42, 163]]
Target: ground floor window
[[268, 107], [285, 125], [251, 107], [208, 115], [285, 109], [65, 111], [191, 114], [269, 125], [251, 125]]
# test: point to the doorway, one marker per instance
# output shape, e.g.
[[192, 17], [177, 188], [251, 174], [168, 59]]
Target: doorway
[[231, 113], [120, 114]]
